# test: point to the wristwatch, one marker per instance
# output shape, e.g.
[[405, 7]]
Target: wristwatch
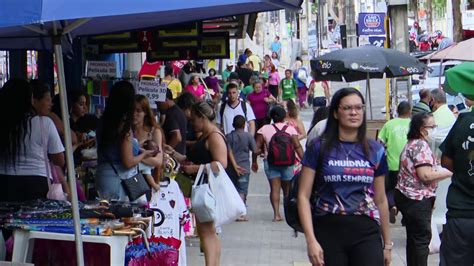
[[388, 246]]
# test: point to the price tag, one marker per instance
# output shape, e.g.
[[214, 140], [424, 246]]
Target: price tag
[[153, 90]]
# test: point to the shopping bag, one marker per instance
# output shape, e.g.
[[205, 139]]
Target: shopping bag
[[229, 204], [203, 202], [435, 242]]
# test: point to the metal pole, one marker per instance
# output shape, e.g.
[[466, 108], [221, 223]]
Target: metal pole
[[367, 91], [58, 51]]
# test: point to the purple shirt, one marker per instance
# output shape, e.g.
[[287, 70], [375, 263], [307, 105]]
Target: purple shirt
[[212, 83], [345, 186], [257, 101]]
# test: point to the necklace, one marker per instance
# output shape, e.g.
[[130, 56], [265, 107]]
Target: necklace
[[347, 153]]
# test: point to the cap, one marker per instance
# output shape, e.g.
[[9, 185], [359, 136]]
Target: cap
[[230, 63]]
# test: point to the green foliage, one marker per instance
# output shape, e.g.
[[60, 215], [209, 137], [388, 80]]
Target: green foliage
[[439, 8]]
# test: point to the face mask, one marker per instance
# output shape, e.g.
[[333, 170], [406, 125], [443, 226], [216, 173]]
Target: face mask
[[431, 134]]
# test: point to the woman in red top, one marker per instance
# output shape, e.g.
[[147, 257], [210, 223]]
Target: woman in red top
[[195, 87]]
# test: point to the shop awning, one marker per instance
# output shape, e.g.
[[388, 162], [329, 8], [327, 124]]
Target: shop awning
[[24, 21]]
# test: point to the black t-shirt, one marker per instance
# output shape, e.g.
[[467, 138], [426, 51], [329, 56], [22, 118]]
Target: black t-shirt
[[175, 120], [459, 146], [244, 75]]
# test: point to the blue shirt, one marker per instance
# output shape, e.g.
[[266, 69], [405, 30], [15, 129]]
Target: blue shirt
[[345, 186], [275, 47], [243, 58]]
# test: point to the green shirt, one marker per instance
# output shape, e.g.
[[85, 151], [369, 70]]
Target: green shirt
[[288, 87], [225, 75], [394, 135], [248, 89], [459, 147]]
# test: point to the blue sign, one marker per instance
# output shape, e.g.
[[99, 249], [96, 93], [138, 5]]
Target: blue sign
[[371, 24], [377, 41]]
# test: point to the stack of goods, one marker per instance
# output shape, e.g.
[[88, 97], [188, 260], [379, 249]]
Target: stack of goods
[[152, 251], [97, 218]]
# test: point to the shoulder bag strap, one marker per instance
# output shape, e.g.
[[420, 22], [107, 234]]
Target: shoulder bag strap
[[44, 143]]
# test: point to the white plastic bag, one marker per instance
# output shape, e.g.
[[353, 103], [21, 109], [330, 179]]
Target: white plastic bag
[[203, 202], [435, 242], [229, 204]]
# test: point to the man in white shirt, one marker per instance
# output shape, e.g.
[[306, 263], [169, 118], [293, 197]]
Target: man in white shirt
[[232, 107], [443, 116]]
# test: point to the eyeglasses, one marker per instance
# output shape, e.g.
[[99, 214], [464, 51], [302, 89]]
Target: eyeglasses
[[349, 108]]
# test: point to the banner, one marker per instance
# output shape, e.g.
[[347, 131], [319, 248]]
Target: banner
[[153, 90], [371, 24]]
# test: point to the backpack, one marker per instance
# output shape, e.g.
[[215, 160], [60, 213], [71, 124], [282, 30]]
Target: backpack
[[290, 206], [243, 103], [280, 149]]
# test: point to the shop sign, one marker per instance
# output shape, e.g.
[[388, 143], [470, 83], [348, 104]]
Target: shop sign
[[153, 90], [101, 69], [371, 24]]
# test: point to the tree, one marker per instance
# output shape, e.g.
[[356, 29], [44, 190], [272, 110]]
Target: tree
[[457, 17], [429, 15]]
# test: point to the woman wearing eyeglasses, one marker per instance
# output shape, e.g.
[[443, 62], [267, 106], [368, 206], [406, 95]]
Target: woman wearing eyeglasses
[[416, 187], [346, 223]]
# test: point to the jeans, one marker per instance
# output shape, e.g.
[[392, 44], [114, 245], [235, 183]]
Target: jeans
[[457, 244], [417, 219]]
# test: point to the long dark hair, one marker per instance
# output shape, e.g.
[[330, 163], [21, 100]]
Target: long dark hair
[[417, 122], [118, 113], [15, 114], [331, 133], [149, 121], [320, 114]]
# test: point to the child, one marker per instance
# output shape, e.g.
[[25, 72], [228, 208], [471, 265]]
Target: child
[[240, 144], [147, 170], [288, 87]]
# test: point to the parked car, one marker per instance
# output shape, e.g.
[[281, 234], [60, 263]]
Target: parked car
[[434, 78]]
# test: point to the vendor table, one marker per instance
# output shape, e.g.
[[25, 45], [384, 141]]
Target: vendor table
[[24, 244]]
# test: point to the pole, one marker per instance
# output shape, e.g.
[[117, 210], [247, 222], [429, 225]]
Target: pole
[[367, 91], [58, 51], [388, 109]]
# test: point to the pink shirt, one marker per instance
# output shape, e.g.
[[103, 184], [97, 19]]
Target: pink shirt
[[199, 92], [416, 153], [274, 78], [267, 131], [257, 101]]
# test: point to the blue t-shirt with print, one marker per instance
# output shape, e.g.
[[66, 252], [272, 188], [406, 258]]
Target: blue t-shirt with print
[[346, 184]]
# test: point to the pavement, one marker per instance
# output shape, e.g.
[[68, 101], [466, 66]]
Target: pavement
[[263, 242]]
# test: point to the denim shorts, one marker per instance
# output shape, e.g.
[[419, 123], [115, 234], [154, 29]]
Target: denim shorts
[[243, 184], [284, 172]]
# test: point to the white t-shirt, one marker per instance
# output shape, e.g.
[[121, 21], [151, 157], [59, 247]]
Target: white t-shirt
[[230, 113], [31, 161]]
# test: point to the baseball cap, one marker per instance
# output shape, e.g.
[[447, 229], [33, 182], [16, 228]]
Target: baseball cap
[[230, 63]]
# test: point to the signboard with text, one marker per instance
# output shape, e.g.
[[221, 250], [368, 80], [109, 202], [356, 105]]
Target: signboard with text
[[378, 41], [371, 24], [153, 90], [101, 69]]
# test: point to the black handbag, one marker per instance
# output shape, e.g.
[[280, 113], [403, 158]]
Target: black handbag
[[135, 186]]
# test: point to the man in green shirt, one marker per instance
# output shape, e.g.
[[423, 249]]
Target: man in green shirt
[[458, 156], [424, 104], [288, 87], [227, 71], [394, 136]]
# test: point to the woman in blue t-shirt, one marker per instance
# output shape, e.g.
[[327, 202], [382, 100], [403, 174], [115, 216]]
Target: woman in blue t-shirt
[[347, 222]]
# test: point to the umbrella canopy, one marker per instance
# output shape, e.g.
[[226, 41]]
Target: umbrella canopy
[[460, 79], [463, 51], [364, 62], [35, 18]]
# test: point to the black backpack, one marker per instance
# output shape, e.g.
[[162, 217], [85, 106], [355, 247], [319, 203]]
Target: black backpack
[[280, 148], [290, 206]]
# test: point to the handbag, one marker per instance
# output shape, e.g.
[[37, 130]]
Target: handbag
[[230, 205], [135, 186], [203, 202], [55, 190]]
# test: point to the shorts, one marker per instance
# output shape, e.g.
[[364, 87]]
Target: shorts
[[242, 184], [285, 173], [319, 101]]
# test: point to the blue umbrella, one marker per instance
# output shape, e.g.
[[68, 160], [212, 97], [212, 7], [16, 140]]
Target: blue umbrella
[[40, 24]]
